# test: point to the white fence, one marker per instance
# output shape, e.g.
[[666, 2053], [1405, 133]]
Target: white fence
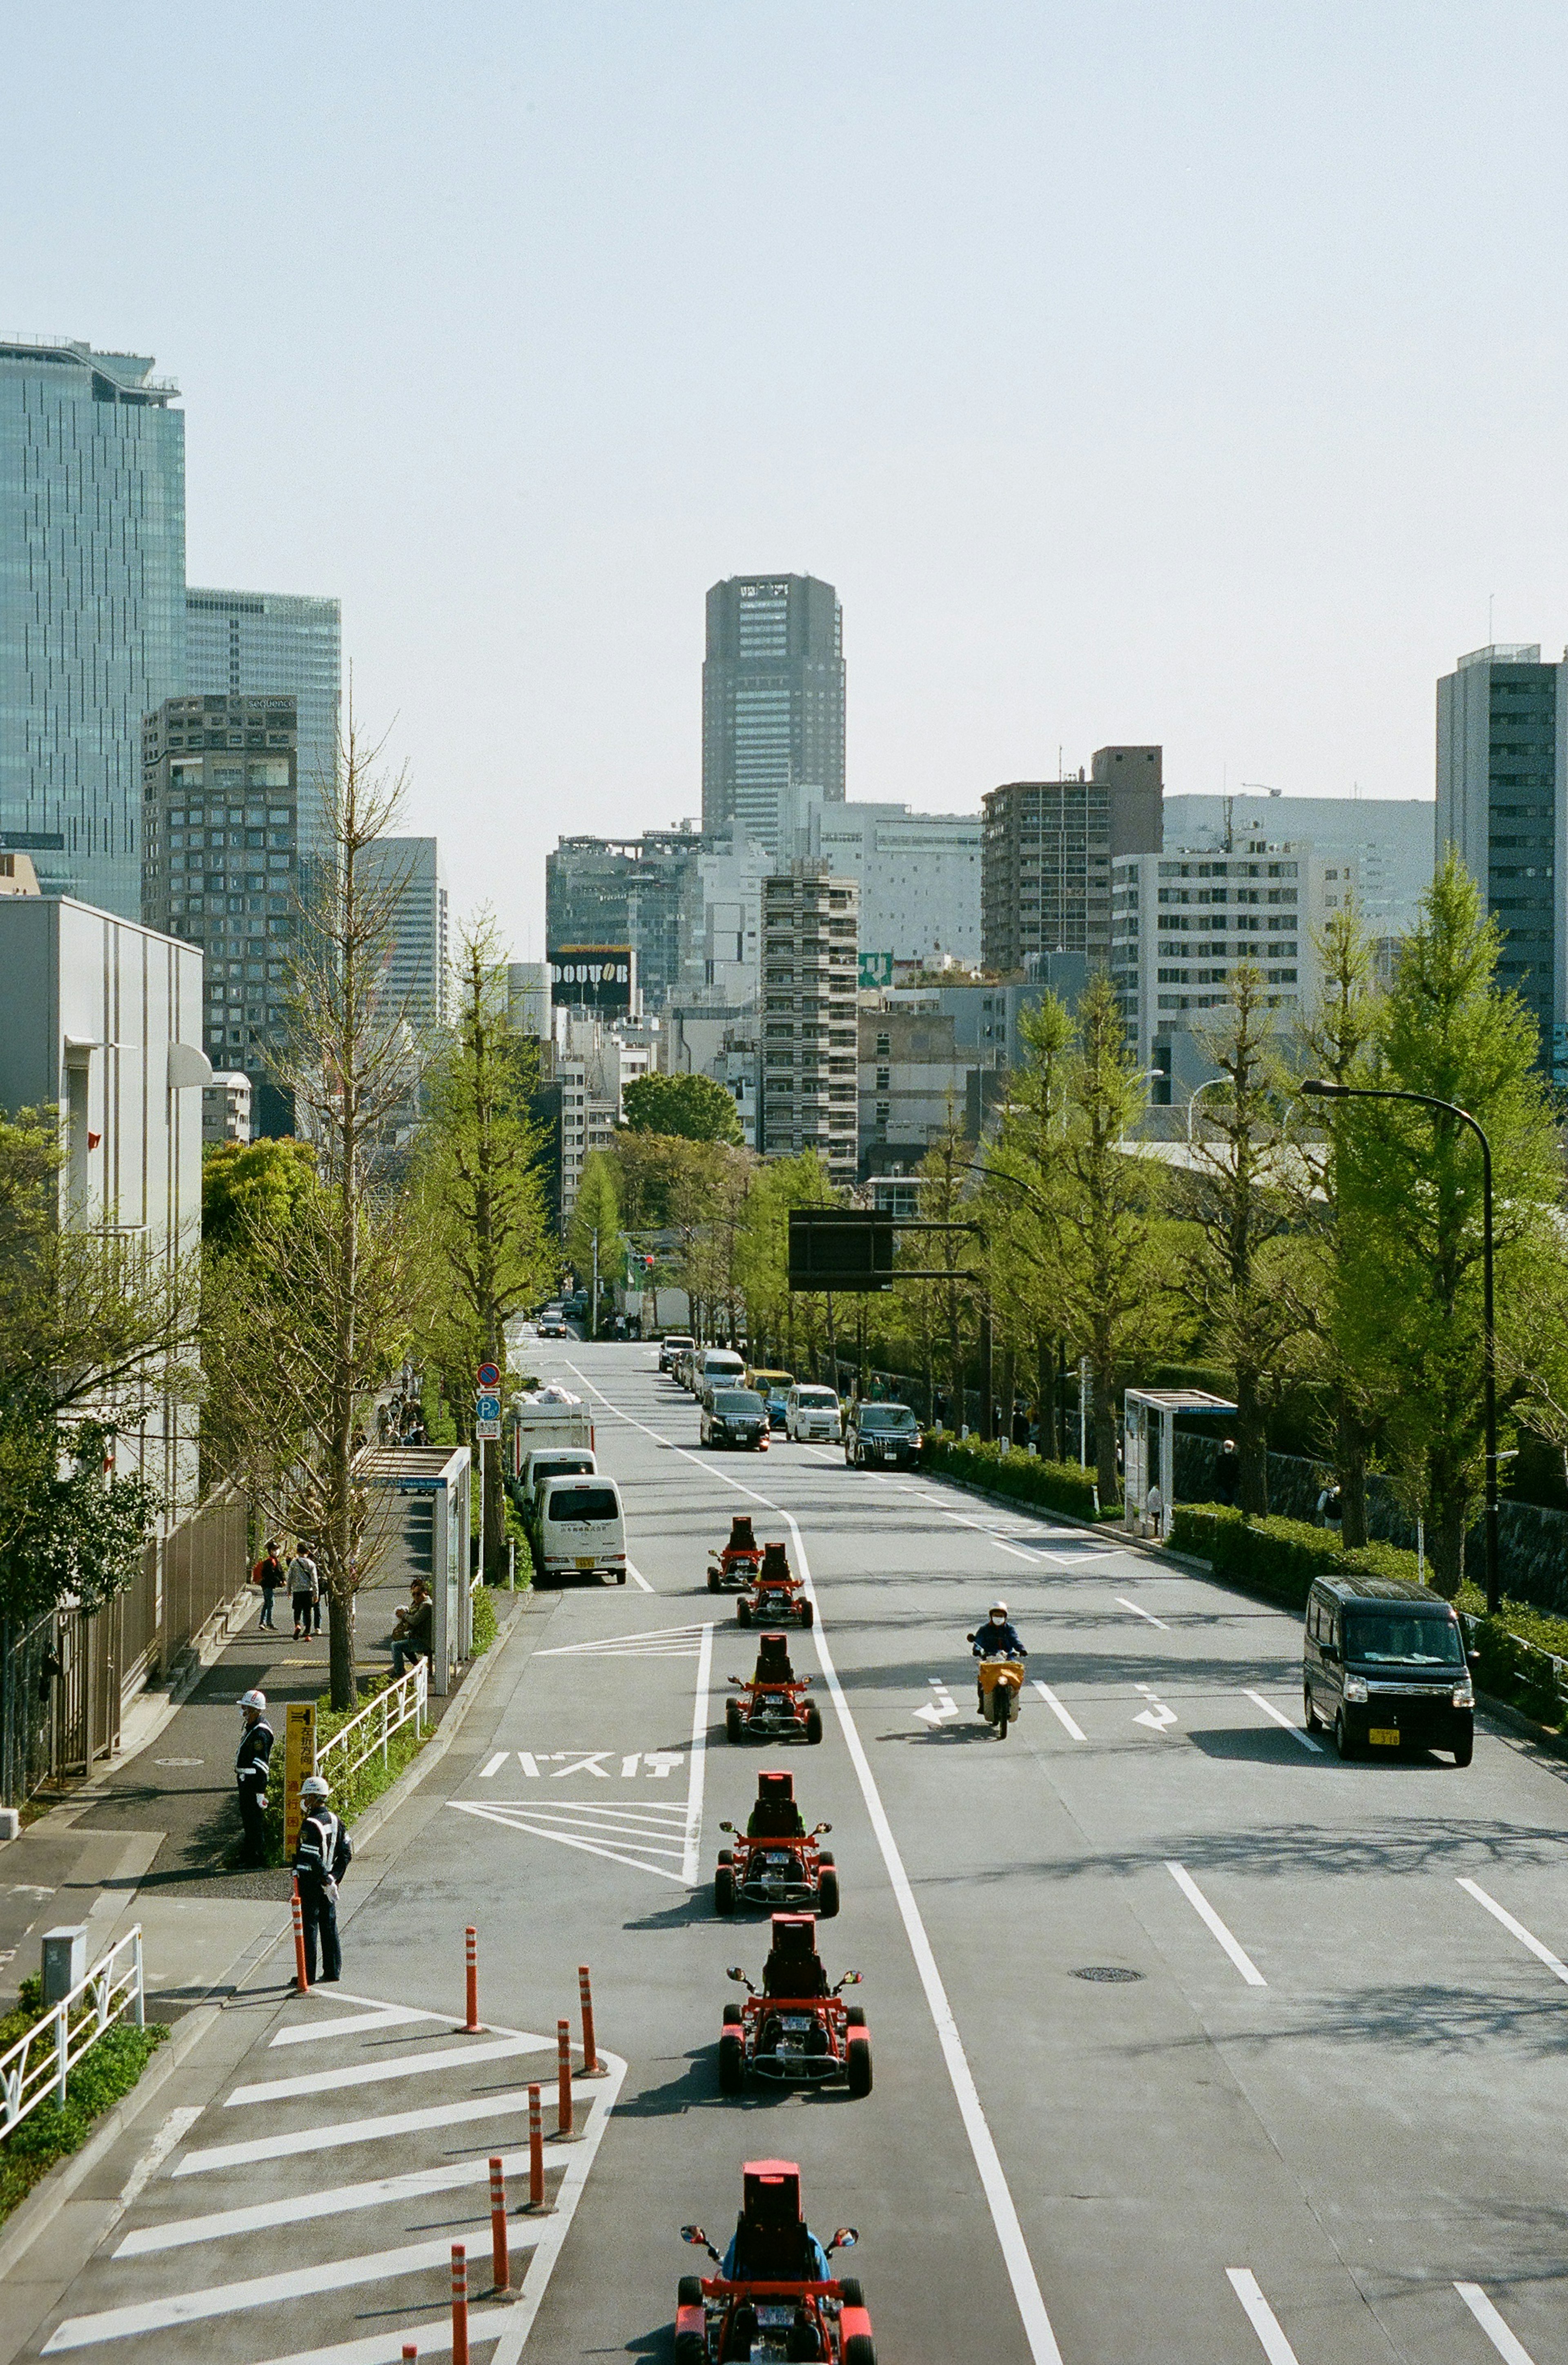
[[40, 2062], [403, 1702]]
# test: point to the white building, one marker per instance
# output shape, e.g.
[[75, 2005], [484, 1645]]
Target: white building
[[1388, 839], [528, 998], [419, 952], [810, 971], [226, 1106], [1183, 921], [919, 876]]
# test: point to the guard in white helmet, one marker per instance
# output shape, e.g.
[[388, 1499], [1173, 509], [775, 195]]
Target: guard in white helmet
[[251, 1764], [321, 1860]]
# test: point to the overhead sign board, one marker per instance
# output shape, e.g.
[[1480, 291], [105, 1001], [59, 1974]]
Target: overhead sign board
[[840, 1248], [592, 977]]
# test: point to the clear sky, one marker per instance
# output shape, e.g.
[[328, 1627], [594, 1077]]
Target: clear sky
[[1137, 372]]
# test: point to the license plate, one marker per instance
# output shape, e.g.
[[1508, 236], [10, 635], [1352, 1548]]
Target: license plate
[[589, 1564], [1384, 1736]]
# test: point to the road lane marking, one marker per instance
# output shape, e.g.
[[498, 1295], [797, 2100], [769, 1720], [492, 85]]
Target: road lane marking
[[505, 2103], [1511, 2350], [942, 1709], [389, 2348], [327, 2201], [658, 1643], [691, 1865], [1286, 1723], [376, 2073], [175, 2127], [1123, 1603], [1020, 2267], [344, 2023], [1500, 1913], [638, 1579], [1057, 1710], [1260, 2316], [1157, 1716], [989, 1533], [1233, 1947], [532, 1821], [487, 1772]]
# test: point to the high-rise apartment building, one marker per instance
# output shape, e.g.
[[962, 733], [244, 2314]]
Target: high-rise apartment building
[[810, 958], [418, 953], [92, 605], [221, 870], [1047, 854], [772, 703], [269, 644], [1388, 841], [1503, 803]]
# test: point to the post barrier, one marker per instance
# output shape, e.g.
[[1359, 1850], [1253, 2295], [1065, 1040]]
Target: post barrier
[[591, 2065], [409, 2350], [563, 2076], [472, 2025], [535, 2149], [459, 2305], [500, 2269], [300, 1977]]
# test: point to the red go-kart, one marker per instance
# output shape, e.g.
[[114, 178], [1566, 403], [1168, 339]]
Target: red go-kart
[[776, 1593], [772, 1704], [772, 2296], [776, 1861], [737, 1563], [797, 2032]]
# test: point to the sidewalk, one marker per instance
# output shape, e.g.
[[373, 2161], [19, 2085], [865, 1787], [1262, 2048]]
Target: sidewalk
[[155, 1836]]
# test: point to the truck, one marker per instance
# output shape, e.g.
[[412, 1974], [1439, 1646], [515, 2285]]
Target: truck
[[537, 1419]]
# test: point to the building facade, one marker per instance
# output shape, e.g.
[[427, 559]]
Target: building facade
[[266, 643], [643, 892], [221, 870], [810, 1042], [1503, 805], [912, 1085], [1387, 841], [919, 876], [1046, 851], [772, 703], [91, 606], [406, 872]]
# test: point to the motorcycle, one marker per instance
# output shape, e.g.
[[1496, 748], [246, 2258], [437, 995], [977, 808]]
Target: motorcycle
[[1002, 1691]]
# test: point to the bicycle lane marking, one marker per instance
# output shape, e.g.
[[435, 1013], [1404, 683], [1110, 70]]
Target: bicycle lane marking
[[1027, 2291]]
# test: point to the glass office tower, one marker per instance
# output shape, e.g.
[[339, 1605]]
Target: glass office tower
[[92, 605], [274, 644], [772, 704]]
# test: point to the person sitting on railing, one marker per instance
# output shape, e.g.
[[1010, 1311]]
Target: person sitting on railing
[[412, 1628]]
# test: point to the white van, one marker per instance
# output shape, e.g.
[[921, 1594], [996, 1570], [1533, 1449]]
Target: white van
[[581, 1529], [811, 1414], [717, 1367], [555, 1462]]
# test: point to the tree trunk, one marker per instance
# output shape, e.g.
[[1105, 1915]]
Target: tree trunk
[[1251, 1446], [1445, 1544], [1104, 1435], [494, 1550], [1350, 1469], [1046, 1395], [1009, 1389], [340, 1646]]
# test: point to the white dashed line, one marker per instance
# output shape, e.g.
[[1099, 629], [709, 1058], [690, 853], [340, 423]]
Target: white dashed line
[[1057, 1710], [1514, 2351], [1261, 2316], [1239, 1956], [1123, 1603], [1500, 1913], [1285, 1724]]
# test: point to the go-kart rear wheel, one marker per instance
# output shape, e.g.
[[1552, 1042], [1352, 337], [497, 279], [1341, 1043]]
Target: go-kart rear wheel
[[807, 1614], [853, 2295], [859, 2065], [813, 1722], [689, 2292], [857, 2350], [743, 1612], [827, 1893], [724, 1890], [734, 1728], [855, 2016], [732, 2066]]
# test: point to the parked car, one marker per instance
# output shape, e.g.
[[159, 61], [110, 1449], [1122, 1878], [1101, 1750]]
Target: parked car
[[717, 1367], [672, 1346], [580, 1528], [553, 1462], [885, 1433], [812, 1416], [735, 1416], [1384, 1667]]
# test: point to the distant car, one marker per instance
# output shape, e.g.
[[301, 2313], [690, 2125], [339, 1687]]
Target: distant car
[[736, 1417], [778, 1403], [880, 1433], [672, 1346], [717, 1367], [812, 1416], [553, 1326]]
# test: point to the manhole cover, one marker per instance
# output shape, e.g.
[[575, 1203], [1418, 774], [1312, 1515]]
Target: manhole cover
[[1107, 1973]]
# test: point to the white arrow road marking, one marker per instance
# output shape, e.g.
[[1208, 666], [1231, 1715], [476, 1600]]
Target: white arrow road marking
[[1500, 1913], [1513, 2350], [1157, 1716], [942, 1709], [1059, 1712], [1261, 2316], [1123, 1603], [1285, 1724], [1211, 1921]]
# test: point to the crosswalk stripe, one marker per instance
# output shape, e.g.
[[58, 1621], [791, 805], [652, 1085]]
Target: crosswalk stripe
[[330, 2200], [378, 2073], [387, 2348], [544, 1830], [301, 2141], [310, 2032]]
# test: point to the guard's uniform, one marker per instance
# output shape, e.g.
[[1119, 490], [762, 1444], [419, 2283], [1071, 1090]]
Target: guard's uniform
[[251, 1763], [321, 1860]]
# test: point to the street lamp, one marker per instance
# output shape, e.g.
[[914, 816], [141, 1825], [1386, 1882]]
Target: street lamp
[[1193, 1098], [1319, 1088]]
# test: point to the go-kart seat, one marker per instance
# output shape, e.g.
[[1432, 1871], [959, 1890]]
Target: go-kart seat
[[772, 2243], [775, 1564], [742, 1536], [776, 1816], [793, 1967], [773, 1661]]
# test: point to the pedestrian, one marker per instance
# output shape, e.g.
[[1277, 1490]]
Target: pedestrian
[[268, 1574], [321, 1859], [411, 1629], [251, 1764], [1021, 1424], [1331, 1507], [303, 1588], [1154, 1512], [1227, 1473]]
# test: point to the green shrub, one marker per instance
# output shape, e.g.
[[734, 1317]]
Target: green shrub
[[485, 1622], [1023, 1477], [98, 2080]]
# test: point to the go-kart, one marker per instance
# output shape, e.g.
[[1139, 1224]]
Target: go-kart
[[776, 1861], [796, 2032], [773, 1704], [737, 1563], [776, 1592], [773, 2303]]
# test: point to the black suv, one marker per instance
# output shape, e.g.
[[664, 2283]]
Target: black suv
[[1384, 1667], [886, 1434]]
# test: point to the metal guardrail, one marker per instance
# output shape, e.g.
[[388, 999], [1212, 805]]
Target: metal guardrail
[[40, 2062], [403, 1702]]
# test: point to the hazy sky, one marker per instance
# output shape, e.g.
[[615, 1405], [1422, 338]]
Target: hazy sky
[[1191, 373]]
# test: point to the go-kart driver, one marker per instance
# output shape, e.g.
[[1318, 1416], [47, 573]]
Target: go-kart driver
[[997, 1639]]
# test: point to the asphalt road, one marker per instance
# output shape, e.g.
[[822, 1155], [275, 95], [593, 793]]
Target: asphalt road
[[1314, 2113]]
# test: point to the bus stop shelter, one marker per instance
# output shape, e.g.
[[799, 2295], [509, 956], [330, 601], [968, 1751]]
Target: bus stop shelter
[[419, 1527], [1149, 1449]]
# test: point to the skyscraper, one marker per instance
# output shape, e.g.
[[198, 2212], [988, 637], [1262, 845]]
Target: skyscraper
[[772, 701], [419, 969], [1503, 805], [269, 645], [92, 605]]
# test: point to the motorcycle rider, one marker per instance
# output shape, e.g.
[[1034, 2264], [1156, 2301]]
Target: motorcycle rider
[[997, 1639]]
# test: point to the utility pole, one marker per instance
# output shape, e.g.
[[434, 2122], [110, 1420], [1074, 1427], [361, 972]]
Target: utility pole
[[593, 1301]]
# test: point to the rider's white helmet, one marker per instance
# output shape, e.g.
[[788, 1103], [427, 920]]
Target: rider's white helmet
[[999, 1608]]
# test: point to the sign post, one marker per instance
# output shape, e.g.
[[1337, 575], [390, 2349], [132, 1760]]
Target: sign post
[[299, 1760], [487, 1432]]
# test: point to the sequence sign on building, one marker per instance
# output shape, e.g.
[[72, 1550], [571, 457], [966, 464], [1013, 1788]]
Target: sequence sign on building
[[592, 977]]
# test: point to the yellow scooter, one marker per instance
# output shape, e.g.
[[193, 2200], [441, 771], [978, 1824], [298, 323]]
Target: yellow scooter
[[1001, 1690]]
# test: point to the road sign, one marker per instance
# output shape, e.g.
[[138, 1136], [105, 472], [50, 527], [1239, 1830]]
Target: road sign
[[486, 1407], [490, 1375], [299, 1760], [487, 1432], [840, 1248]]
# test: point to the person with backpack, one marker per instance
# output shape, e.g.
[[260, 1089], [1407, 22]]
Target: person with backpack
[[268, 1574]]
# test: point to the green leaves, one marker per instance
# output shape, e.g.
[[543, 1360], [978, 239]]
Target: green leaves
[[694, 1107]]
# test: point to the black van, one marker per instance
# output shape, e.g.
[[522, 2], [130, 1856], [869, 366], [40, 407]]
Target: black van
[[1383, 1664]]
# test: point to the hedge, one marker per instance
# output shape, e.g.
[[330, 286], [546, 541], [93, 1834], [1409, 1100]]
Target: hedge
[[1003, 1469], [100, 2079]]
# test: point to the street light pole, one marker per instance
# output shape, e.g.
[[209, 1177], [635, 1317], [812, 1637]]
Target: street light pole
[[1319, 1088]]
